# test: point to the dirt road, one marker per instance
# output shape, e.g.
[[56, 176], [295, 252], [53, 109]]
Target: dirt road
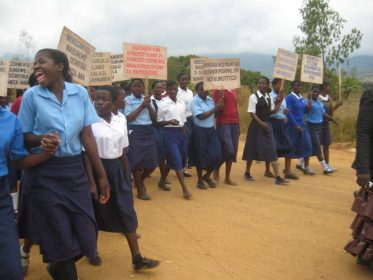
[[257, 230]]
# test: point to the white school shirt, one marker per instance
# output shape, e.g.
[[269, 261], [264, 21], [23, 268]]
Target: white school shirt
[[169, 110], [111, 138], [253, 100], [187, 97]]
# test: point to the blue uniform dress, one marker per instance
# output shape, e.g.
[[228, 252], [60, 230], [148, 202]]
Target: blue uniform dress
[[280, 130], [302, 146], [59, 198], [314, 122], [159, 133], [142, 151], [11, 145], [204, 144]]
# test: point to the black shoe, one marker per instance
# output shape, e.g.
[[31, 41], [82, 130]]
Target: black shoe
[[281, 181], [186, 173], [96, 261], [139, 262], [292, 176]]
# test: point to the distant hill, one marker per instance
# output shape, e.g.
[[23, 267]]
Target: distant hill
[[361, 65]]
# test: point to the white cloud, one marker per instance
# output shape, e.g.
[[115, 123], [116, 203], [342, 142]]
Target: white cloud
[[185, 27]]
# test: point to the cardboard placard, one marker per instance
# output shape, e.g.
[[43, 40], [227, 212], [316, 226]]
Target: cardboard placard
[[117, 67], [144, 61], [4, 72], [80, 54], [196, 70], [285, 65], [101, 70], [312, 69], [19, 73], [221, 73]]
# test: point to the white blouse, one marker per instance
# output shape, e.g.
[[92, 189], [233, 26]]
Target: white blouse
[[111, 138], [168, 110]]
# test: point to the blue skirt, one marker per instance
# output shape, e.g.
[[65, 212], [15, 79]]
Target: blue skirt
[[260, 145], [118, 214], [204, 147], [160, 148], [176, 147], [282, 137], [10, 259], [229, 136], [142, 151], [301, 141], [62, 210], [325, 138]]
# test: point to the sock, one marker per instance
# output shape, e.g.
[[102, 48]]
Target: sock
[[15, 200], [301, 162], [278, 177], [324, 165]]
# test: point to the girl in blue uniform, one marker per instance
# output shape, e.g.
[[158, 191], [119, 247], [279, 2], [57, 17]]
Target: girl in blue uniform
[[11, 146], [298, 130], [204, 145], [59, 195], [118, 214], [142, 154], [315, 117]]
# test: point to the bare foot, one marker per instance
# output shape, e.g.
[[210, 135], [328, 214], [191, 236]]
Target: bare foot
[[187, 195], [215, 176], [230, 182]]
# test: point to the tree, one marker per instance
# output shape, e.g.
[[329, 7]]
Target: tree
[[26, 46], [322, 28]]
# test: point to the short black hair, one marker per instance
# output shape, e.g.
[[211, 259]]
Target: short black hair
[[198, 85], [293, 83], [155, 83], [275, 81], [137, 79], [113, 92], [264, 78], [126, 85], [181, 74], [32, 81], [315, 87], [171, 83]]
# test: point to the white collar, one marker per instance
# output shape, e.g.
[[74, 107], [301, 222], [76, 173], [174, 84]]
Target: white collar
[[296, 95], [324, 98], [261, 94]]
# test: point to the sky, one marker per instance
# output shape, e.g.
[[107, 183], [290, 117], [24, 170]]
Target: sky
[[198, 27]]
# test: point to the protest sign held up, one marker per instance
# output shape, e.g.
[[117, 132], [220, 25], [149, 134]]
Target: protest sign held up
[[285, 65], [196, 69], [19, 72], [221, 73], [101, 69], [4, 72], [80, 54], [312, 69], [144, 61], [117, 69]]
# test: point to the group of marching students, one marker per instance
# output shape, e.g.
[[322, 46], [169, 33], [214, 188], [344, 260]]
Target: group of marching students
[[81, 152]]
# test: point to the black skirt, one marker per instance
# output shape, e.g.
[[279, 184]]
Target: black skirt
[[118, 214], [204, 147], [61, 208], [282, 137], [260, 145]]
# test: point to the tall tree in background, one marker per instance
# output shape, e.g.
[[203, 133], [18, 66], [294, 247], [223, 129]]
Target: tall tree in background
[[322, 28], [26, 46]]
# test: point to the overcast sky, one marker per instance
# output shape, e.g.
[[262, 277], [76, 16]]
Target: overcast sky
[[184, 27]]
